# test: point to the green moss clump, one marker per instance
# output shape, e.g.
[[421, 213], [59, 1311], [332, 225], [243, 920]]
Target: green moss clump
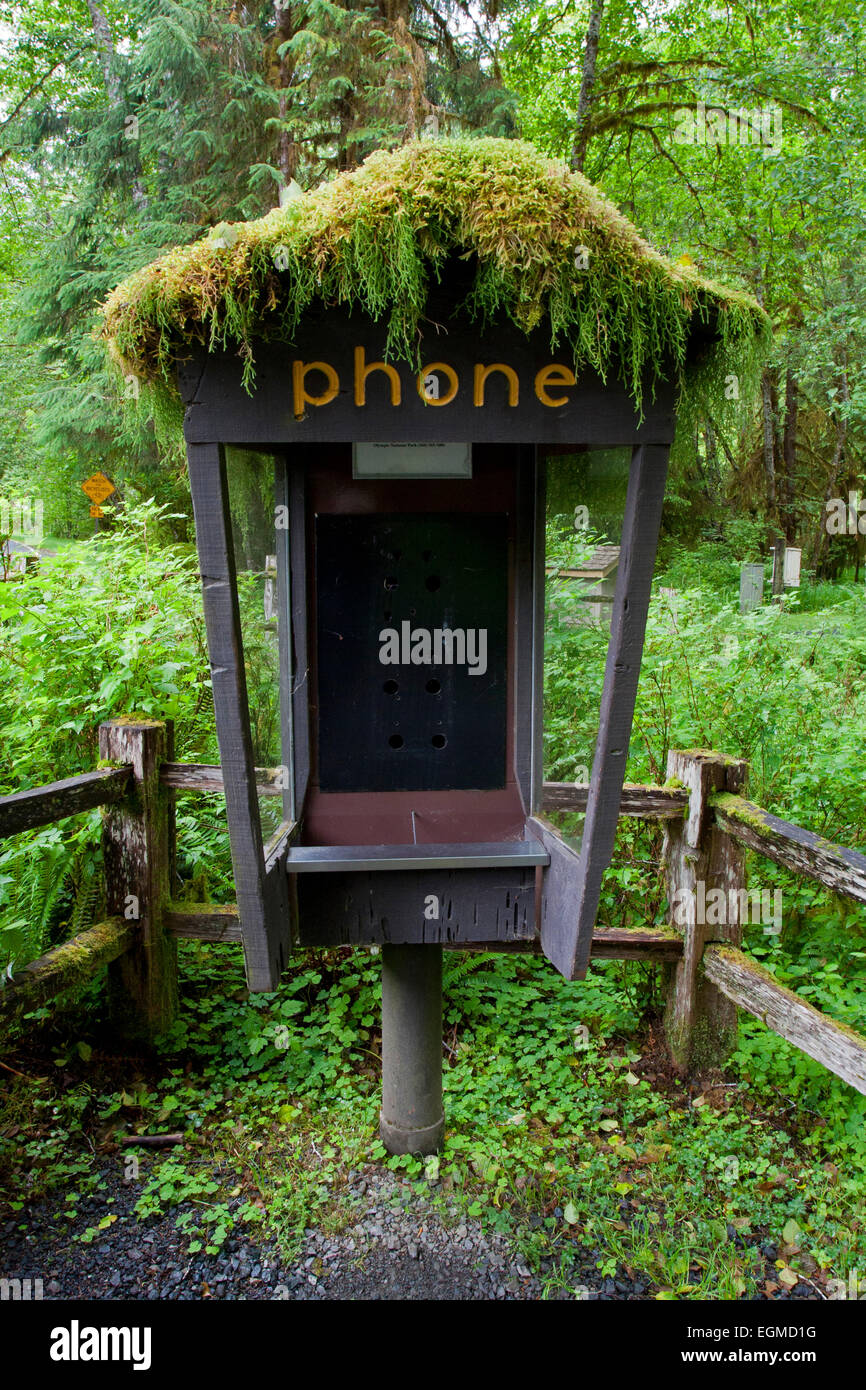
[[376, 238]]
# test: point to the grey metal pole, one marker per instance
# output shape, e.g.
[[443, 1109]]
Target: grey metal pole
[[412, 1120]]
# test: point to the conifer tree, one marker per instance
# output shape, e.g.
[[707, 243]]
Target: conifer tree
[[152, 122]]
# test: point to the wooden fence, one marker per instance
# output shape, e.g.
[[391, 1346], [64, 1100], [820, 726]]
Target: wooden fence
[[707, 827]]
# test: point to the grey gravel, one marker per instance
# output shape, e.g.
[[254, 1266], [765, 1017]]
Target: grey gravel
[[394, 1244]]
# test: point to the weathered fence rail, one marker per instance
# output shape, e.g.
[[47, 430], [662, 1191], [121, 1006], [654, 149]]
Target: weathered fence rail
[[643, 803], [841, 870], [73, 962], [208, 777], [753, 987], [43, 805], [707, 827], [138, 848], [208, 922]]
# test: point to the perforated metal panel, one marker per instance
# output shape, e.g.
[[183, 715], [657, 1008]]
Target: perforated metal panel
[[412, 652]]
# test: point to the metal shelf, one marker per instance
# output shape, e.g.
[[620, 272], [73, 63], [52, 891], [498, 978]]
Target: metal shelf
[[508, 854]]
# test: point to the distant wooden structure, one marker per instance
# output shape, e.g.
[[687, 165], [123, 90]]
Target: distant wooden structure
[[786, 566], [751, 587], [791, 568], [594, 583]]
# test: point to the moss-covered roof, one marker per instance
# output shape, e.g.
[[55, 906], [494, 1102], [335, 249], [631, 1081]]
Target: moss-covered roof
[[544, 244]]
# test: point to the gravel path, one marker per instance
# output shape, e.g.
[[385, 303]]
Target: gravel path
[[387, 1241], [397, 1247]]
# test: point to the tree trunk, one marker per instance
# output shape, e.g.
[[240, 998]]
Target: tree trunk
[[113, 86], [105, 47], [832, 490], [769, 443], [587, 82], [778, 563], [789, 457], [836, 467], [714, 476], [287, 154]]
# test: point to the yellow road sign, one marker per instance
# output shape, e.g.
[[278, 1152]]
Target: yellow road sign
[[98, 488], [96, 511]]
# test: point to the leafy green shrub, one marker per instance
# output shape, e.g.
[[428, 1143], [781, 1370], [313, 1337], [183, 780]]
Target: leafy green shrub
[[787, 692], [110, 627]]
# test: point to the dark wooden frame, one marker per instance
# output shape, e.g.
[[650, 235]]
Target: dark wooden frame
[[567, 943], [597, 415], [259, 893], [292, 578]]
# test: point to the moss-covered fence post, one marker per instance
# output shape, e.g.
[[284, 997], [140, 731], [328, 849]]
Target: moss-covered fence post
[[137, 849], [705, 873]]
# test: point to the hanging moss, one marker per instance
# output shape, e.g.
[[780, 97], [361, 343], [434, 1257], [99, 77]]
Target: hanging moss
[[377, 238]]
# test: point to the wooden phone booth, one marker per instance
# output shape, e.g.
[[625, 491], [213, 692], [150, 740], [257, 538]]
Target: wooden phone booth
[[409, 530]]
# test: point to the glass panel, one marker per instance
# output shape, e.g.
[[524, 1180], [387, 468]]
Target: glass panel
[[251, 501], [585, 502]]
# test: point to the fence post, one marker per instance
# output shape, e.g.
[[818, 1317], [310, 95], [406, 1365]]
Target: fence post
[[136, 844], [705, 873]]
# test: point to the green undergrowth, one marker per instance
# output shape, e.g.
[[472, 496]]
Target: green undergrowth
[[786, 695], [546, 247], [565, 1129], [111, 626]]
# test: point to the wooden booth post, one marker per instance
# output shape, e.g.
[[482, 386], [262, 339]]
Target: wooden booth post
[[705, 872], [260, 895], [137, 848], [567, 939]]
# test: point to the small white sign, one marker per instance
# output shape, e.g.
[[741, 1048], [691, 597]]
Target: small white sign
[[411, 460]]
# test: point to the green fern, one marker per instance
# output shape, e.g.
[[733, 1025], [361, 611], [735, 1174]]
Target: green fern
[[457, 967], [88, 899], [50, 888]]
